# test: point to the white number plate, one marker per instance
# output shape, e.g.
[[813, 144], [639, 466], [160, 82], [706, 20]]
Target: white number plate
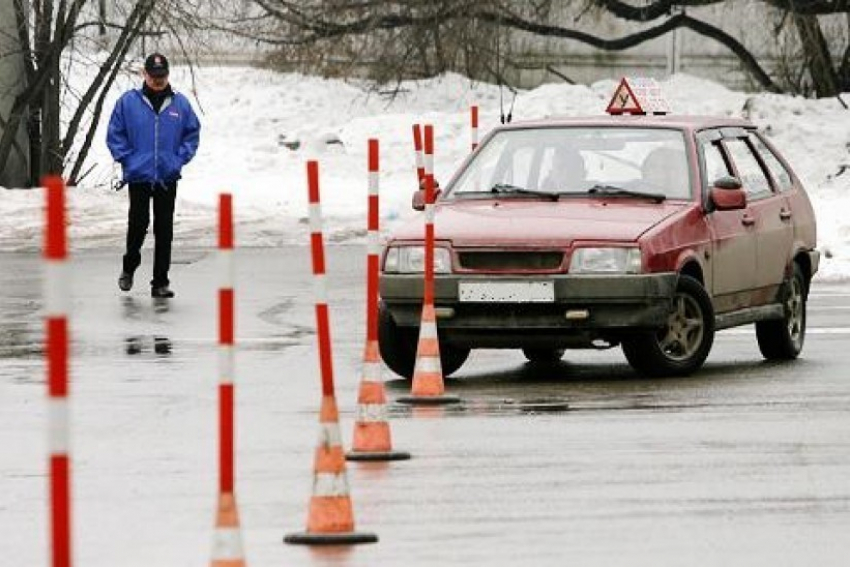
[[507, 292]]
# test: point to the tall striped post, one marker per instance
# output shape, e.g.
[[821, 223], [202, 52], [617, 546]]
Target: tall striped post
[[226, 324], [473, 110], [428, 386], [417, 148], [57, 303], [372, 436], [330, 519], [227, 538]]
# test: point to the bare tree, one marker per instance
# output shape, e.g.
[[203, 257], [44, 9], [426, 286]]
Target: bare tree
[[52, 33], [412, 36]]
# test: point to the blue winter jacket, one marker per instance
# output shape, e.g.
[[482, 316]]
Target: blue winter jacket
[[152, 147]]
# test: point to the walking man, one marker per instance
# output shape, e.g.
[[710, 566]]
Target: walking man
[[153, 133]]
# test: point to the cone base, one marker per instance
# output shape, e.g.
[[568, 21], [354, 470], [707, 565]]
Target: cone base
[[377, 456], [428, 400], [342, 538]]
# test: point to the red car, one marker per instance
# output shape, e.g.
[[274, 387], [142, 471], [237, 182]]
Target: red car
[[647, 232]]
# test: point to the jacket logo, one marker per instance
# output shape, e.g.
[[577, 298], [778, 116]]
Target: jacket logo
[[174, 114]]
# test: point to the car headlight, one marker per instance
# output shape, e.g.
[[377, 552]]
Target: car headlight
[[411, 260], [606, 261]]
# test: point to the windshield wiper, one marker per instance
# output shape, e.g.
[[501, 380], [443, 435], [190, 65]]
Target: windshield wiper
[[613, 190], [507, 188]]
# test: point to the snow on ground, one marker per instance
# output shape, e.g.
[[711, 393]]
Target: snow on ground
[[251, 116]]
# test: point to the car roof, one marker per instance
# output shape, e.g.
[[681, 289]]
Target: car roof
[[680, 122]]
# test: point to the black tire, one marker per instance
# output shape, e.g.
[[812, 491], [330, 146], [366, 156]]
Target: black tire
[[398, 347], [683, 344], [783, 339], [543, 355]]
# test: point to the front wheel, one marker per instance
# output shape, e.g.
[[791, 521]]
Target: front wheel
[[398, 347], [683, 344], [783, 339]]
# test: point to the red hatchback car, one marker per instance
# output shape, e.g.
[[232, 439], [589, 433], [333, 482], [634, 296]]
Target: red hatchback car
[[648, 232]]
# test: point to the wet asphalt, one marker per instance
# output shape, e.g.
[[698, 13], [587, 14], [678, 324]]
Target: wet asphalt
[[580, 463]]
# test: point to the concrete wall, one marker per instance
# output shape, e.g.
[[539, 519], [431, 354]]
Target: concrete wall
[[16, 170]]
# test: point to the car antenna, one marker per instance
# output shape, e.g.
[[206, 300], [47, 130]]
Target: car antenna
[[499, 70], [511, 109], [504, 119]]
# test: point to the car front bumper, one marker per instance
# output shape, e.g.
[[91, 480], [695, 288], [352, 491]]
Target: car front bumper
[[579, 304]]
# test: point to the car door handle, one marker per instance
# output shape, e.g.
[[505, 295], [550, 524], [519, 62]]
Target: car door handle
[[785, 215], [747, 220]]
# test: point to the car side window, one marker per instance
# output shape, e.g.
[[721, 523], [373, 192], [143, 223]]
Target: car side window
[[749, 169], [777, 170], [715, 164]]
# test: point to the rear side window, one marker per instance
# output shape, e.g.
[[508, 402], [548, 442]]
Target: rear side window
[[777, 170], [749, 170]]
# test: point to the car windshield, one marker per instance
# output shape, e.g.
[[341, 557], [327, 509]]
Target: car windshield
[[626, 162]]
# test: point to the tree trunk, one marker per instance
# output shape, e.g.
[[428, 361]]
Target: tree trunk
[[51, 150], [818, 60], [14, 161]]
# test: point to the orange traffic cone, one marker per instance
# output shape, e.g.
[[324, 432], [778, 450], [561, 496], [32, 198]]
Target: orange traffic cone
[[428, 387], [330, 519], [227, 539], [372, 438]]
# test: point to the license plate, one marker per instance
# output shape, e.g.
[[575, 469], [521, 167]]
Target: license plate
[[507, 292]]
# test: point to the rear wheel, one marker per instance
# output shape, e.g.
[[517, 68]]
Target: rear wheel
[[683, 344], [543, 355], [783, 339], [398, 347]]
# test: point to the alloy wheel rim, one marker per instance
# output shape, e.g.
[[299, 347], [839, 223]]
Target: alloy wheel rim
[[683, 335], [794, 309]]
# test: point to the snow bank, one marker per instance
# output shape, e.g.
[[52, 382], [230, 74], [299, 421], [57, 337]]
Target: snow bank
[[252, 119]]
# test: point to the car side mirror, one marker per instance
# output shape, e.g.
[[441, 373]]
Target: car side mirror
[[728, 194], [418, 203]]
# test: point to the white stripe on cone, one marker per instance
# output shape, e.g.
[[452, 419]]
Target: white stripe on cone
[[227, 545], [427, 364], [330, 484], [329, 435], [428, 331], [372, 412], [372, 372]]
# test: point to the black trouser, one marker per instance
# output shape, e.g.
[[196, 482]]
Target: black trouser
[[163, 195]]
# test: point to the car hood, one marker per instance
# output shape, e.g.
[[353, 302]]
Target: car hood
[[540, 223]]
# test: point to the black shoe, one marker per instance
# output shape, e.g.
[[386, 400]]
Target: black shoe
[[161, 291], [125, 281]]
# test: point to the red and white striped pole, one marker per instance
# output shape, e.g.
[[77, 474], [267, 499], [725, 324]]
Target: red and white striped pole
[[474, 120], [417, 147], [372, 227], [429, 214], [227, 539], [428, 386], [57, 302], [372, 436], [226, 324], [330, 519]]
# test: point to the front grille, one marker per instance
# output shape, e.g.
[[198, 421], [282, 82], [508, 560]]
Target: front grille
[[506, 261]]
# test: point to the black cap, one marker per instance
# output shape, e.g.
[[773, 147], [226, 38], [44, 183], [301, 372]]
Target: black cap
[[156, 65]]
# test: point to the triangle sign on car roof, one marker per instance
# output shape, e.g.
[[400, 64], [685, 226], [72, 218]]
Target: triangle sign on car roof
[[638, 96]]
